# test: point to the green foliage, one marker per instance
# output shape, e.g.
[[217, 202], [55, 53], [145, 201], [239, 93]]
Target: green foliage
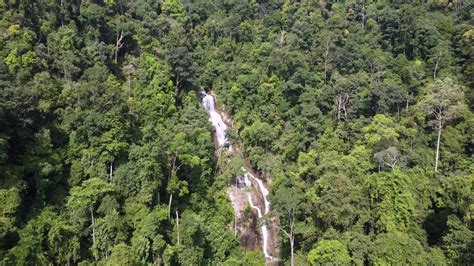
[[87, 195], [110, 231], [254, 258], [121, 255], [329, 251], [444, 101], [174, 8], [338, 102], [457, 243], [395, 205], [380, 132], [397, 248], [45, 236], [10, 202], [455, 193], [258, 138]]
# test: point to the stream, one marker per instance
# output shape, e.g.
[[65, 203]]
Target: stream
[[245, 182]]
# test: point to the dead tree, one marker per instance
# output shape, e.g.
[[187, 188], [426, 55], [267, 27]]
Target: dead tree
[[388, 157], [118, 43], [281, 39], [174, 169], [342, 105]]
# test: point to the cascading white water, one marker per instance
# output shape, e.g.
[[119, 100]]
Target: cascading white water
[[220, 128], [216, 119], [264, 191], [265, 233]]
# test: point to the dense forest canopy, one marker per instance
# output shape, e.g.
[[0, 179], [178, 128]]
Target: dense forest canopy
[[361, 112]]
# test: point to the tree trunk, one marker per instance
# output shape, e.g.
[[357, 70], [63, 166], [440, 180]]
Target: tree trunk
[[235, 225], [111, 172], [62, 15], [363, 17], [437, 149], [326, 56], [292, 250], [129, 87], [178, 81], [118, 44], [173, 167], [438, 60], [65, 71], [177, 225], [93, 226], [169, 207]]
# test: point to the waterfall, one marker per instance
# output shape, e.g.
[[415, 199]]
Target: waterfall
[[245, 181], [265, 233], [264, 191], [216, 119]]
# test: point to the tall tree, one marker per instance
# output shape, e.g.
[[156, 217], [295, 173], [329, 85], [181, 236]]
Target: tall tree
[[85, 198], [443, 101], [287, 199]]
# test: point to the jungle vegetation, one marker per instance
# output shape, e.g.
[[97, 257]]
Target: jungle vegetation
[[360, 111]]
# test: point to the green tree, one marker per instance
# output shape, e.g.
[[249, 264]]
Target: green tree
[[85, 197], [174, 8], [63, 51], [392, 200], [122, 254], [443, 101], [109, 231], [329, 252], [10, 202], [397, 248], [254, 258], [178, 53], [63, 242], [288, 199], [457, 243]]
